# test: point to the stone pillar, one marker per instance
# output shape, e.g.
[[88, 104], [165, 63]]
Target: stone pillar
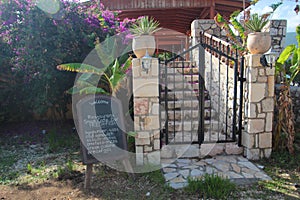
[[203, 25], [259, 108], [146, 112]]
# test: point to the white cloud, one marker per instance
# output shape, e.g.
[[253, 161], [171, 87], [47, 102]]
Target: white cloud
[[287, 12], [284, 11]]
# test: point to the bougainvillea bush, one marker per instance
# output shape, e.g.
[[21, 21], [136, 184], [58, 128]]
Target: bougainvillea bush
[[35, 37]]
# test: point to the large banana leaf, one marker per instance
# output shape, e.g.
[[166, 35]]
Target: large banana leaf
[[91, 77], [286, 53], [80, 68], [92, 90]]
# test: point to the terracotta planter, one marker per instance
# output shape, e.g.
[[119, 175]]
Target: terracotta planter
[[142, 43], [259, 42]]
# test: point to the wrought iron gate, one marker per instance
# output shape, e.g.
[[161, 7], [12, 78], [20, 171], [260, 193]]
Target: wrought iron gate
[[201, 92]]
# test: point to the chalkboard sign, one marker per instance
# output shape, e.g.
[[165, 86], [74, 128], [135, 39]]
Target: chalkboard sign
[[101, 129]]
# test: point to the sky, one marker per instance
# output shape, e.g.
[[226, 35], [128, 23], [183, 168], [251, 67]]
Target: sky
[[284, 11]]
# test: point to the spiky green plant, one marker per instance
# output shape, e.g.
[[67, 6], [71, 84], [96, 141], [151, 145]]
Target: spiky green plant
[[252, 22], [256, 23], [144, 26]]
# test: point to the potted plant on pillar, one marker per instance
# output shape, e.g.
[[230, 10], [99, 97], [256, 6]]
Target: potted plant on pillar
[[258, 42], [143, 40], [247, 36]]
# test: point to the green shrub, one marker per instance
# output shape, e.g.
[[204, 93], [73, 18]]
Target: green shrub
[[58, 140]]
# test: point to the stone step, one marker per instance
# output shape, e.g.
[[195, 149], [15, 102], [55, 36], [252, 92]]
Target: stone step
[[185, 114], [174, 151], [180, 70], [171, 78], [176, 126], [179, 64], [179, 126], [185, 104], [214, 136], [180, 150], [188, 71], [190, 104], [180, 95], [182, 86], [183, 137], [192, 136]]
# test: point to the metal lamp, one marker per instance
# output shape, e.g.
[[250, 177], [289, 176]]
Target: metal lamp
[[146, 62], [268, 59]]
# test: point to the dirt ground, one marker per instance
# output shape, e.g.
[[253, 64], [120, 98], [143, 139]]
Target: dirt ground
[[34, 166], [50, 190]]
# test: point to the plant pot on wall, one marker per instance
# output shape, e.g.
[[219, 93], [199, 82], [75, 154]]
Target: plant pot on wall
[[143, 43], [259, 42]]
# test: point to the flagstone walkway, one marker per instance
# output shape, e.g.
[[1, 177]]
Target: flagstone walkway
[[237, 168]]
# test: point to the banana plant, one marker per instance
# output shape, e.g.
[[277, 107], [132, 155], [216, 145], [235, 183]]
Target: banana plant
[[97, 81], [239, 41], [285, 119], [104, 80]]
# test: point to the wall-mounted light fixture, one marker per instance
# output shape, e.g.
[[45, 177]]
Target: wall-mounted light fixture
[[146, 62], [268, 59]]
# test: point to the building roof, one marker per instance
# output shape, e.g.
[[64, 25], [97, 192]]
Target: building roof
[[175, 14]]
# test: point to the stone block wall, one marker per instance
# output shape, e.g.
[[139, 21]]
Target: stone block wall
[[295, 94], [219, 86], [259, 109], [203, 25], [277, 29], [146, 112]]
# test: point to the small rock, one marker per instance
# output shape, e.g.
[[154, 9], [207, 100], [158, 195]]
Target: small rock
[[184, 173], [196, 173], [200, 163], [182, 164], [178, 185], [170, 176], [168, 170], [148, 194], [190, 167], [168, 165], [186, 161], [178, 180]]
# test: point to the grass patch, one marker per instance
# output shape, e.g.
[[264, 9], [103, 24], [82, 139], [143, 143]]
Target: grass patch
[[211, 186], [59, 140], [7, 160], [284, 170], [156, 177], [6, 163]]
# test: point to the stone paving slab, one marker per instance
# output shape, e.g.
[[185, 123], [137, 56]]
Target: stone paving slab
[[234, 167]]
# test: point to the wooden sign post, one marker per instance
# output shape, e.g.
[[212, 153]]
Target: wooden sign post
[[101, 125]]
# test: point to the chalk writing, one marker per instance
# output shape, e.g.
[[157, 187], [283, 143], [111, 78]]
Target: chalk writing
[[101, 128]]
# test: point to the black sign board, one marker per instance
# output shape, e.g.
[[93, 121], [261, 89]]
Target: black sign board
[[101, 125]]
